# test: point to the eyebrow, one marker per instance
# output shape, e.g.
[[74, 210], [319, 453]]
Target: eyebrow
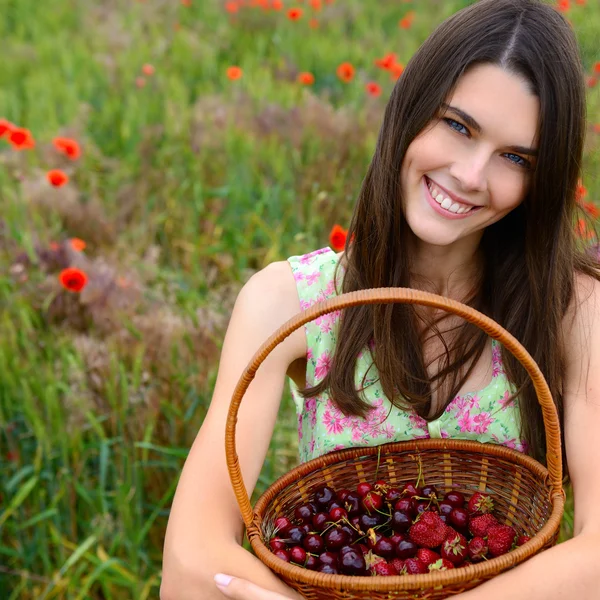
[[473, 124]]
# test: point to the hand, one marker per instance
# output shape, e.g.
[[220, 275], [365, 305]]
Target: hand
[[240, 589]]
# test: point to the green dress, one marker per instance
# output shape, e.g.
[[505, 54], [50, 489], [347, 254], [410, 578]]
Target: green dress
[[486, 415]]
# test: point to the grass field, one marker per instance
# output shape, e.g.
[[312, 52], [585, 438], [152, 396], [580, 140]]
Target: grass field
[[188, 181]]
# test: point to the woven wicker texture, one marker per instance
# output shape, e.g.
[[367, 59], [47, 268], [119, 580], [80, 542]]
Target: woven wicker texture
[[527, 495]]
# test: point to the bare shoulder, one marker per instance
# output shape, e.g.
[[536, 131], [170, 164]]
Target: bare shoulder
[[271, 298]]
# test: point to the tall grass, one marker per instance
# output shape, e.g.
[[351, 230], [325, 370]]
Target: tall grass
[[187, 184]]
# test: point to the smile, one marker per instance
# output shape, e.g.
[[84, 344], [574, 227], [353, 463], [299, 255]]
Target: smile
[[446, 206]]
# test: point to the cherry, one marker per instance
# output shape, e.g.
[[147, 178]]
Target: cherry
[[282, 523], [410, 490], [293, 535], [313, 543], [337, 513], [362, 489], [459, 518], [283, 555], [429, 491], [373, 538], [352, 535], [277, 544], [320, 520], [406, 549], [329, 558], [423, 505], [401, 521], [407, 505], [367, 521], [312, 562], [303, 513], [444, 518], [372, 501], [335, 538], [455, 499], [397, 538], [445, 508], [342, 495], [298, 555], [384, 547], [323, 496], [327, 569], [352, 504], [352, 562]]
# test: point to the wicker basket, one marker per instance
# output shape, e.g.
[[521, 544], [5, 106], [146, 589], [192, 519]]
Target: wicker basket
[[527, 495]]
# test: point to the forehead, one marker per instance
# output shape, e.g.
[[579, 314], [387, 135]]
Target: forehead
[[500, 102]]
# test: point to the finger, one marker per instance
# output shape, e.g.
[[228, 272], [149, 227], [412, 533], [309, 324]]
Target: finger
[[240, 589]]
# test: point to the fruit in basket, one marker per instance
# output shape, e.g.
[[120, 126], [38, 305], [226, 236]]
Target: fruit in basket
[[379, 529]]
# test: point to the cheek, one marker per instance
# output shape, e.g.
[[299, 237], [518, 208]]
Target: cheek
[[509, 192]]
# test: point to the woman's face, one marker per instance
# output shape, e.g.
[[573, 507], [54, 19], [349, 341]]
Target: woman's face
[[473, 163]]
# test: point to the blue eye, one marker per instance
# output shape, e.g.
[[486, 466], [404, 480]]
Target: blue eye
[[456, 126], [524, 162]]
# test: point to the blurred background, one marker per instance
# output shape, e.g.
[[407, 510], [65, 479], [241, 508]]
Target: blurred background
[[153, 155]]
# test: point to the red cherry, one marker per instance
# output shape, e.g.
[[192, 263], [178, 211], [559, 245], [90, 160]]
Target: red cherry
[[320, 520], [393, 495], [342, 494], [282, 523], [410, 490], [277, 544], [455, 499], [362, 489], [303, 513], [313, 543], [459, 518], [372, 501], [298, 555], [337, 513], [312, 562], [283, 555]]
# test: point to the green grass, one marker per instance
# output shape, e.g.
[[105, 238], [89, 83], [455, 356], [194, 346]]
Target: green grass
[[185, 187]]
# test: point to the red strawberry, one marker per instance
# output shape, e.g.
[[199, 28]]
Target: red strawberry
[[441, 565], [398, 564], [500, 539], [522, 539], [455, 548], [383, 568], [480, 525], [427, 556], [478, 549], [413, 566], [429, 531], [480, 504]]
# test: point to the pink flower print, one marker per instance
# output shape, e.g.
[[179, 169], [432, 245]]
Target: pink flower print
[[311, 446], [312, 277], [300, 427], [298, 275], [305, 304], [333, 425], [460, 404], [326, 322], [309, 353], [308, 258], [504, 401], [388, 431], [474, 402], [466, 423], [339, 447], [482, 422], [357, 435], [417, 422], [444, 434], [323, 365], [311, 410], [330, 289], [497, 367]]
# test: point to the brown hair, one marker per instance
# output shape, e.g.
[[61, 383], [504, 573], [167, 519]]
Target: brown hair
[[530, 256]]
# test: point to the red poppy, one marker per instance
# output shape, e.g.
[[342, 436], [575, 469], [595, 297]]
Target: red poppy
[[580, 2], [294, 14], [77, 244], [580, 192], [316, 4], [72, 279], [68, 147], [597, 67], [186, 2], [407, 20], [386, 62], [57, 178], [345, 72], [563, 5], [232, 7], [396, 70], [21, 139], [306, 78], [337, 237], [591, 81], [373, 89], [5, 127], [277, 4], [148, 69], [234, 73], [596, 127], [313, 23], [591, 209]]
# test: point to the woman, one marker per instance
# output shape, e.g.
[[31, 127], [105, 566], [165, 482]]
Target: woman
[[470, 194]]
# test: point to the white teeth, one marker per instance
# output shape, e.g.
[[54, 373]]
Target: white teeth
[[446, 203], [454, 208]]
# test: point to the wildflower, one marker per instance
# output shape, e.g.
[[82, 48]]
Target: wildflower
[[582, 231], [72, 279], [68, 147], [591, 209], [591, 81], [581, 191], [5, 127], [313, 23], [596, 127], [337, 237], [232, 7], [306, 78], [563, 5], [21, 139], [373, 89], [140, 82], [77, 244], [386, 62], [57, 178], [294, 14], [597, 67], [396, 70], [186, 2], [148, 69], [345, 72], [316, 5], [407, 20], [234, 73], [277, 4]]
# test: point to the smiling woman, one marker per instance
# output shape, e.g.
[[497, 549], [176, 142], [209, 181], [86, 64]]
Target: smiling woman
[[471, 194]]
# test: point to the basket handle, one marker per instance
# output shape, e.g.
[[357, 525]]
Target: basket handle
[[387, 296]]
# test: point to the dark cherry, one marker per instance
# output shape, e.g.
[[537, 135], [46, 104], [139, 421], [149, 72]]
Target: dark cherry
[[407, 505], [319, 521], [282, 523], [312, 562], [372, 501], [355, 522], [352, 562], [352, 534], [298, 555], [459, 518], [424, 505], [362, 489], [342, 494], [335, 538], [401, 521], [329, 558], [429, 491], [283, 555], [352, 504], [313, 543], [323, 496], [455, 499], [304, 513], [367, 521], [306, 528], [444, 518], [384, 547], [397, 538], [327, 569], [393, 495], [333, 505], [410, 490], [293, 535], [338, 513], [373, 538], [406, 549], [277, 544], [445, 508]]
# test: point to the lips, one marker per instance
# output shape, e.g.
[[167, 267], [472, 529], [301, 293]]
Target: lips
[[449, 194]]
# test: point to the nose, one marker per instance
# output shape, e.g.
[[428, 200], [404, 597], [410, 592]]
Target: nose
[[470, 172]]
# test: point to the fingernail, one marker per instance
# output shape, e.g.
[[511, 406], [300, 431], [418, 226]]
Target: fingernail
[[223, 580]]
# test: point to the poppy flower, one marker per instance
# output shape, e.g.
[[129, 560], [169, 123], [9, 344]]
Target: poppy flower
[[232, 7], [57, 178], [148, 69], [596, 127], [407, 20], [72, 279], [316, 5], [580, 192], [67, 146], [337, 237], [597, 67], [563, 5], [396, 70], [386, 62], [234, 73], [186, 2], [591, 81], [306, 78], [373, 89], [345, 72], [313, 23], [140, 81], [294, 14], [591, 209], [21, 139], [77, 244], [277, 4], [5, 127]]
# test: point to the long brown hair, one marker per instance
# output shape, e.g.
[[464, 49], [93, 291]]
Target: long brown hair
[[530, 257]]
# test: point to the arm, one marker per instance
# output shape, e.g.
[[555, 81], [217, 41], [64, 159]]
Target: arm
[[570, 570], [205, 529]]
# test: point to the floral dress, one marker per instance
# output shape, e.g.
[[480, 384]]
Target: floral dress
[[485, 415]]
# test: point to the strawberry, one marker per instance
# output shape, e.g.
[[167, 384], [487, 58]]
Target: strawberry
[[522, 539], [413, 566], [480, 525], [480, 504], [384, 568], [427, 556], [500, 539], [429, 531], [441, 565], [455, 548], [398, 564], [478, 549]]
